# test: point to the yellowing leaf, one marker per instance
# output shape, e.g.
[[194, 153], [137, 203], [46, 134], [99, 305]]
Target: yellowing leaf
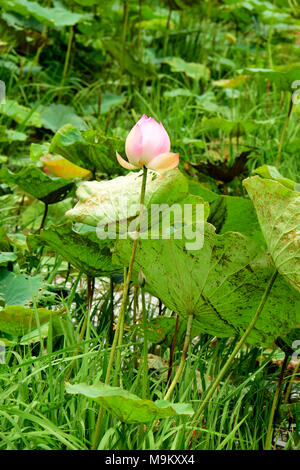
[[230, 82], [60, 166]]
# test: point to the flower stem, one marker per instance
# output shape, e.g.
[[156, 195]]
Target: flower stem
[[124, 34], [67, 60], [122, 308], [172, 349], [268, 443], [145, 348], [238, 346], [111, 307], [290, 384], [183, 357], [167, 32], [285, 125]]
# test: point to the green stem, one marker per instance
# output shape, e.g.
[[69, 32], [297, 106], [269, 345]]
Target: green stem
[[172, 349], [44, 217], [183, 357], [122, 308], [284, 131], [139, 55], [145, 348], [167, 32], [67, 60], [125, 23], [291, 380], [111, 307], [268, 443], [238, 346]]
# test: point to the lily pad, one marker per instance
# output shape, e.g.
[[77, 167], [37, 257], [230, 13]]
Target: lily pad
[[278, 211], [107, 202], [126, 406], [53, 17], [38, 150], [230, 127], [36, 182], [85, 250], [18, 289], [56, 115], [191, 69], [20, 114], [236, 214], [271, 172], [7, 256], [282, 77], [18, 320], [227, 279], [199, 189], [88, 149]]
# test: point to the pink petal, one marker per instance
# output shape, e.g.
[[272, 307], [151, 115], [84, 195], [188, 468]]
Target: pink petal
[[164, 162], [142, 119], [165, 141], [125, 164], [155, 140], [134, 144]]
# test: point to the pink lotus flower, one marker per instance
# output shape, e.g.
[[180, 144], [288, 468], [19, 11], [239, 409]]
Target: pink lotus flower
[[148, 145]]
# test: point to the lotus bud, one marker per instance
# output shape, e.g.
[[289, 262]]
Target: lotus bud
[[148, 144]]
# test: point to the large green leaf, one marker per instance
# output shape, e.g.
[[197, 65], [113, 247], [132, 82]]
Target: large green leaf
[[18, 320], [128, 407], [31, 217], [10, 135], [56, 115], [230, 127], [199, 189], [221, 284], [236, 214], [7, 256], [56, 327], [53, 17], [36, 182], [18, 289], [278, 211], [106, 202], [282, 77], [191, 69], [83, 250], [88, 149], [20, 113], [108, 101], [271, 172]]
